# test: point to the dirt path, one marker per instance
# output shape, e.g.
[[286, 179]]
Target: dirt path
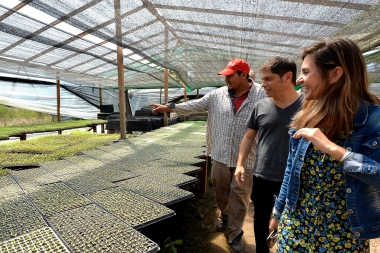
[[194, 224], [249, 238]]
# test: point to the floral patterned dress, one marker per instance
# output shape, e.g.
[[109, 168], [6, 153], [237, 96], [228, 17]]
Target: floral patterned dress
[[320, 221]]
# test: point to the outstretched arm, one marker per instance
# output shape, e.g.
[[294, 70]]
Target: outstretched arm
[[245, 147], [158, 108]]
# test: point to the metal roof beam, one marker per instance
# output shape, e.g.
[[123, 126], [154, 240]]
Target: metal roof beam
[[239, 39], [244, 29], [355, 6], [239, 14]]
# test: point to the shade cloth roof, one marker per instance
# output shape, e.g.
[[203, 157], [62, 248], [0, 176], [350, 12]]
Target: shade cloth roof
[[76, 39]]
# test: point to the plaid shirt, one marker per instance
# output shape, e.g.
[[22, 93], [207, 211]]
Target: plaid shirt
[[225, 130]]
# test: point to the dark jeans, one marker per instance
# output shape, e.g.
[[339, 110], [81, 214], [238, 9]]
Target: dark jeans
[[263, 202]]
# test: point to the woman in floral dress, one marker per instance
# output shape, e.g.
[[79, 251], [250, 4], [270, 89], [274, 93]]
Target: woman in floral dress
[[330, 197]]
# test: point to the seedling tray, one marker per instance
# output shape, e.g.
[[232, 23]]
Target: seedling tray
[[18, 216], [101, 155], [128, 164], [130, 143], [56, 197], [118, 151], [155, 190], [85, 161], [86, 182], [113, 173], [134, 209], [9, 187], [91, 229], [29, 179], [166, 176], [61, 167], [181, 158], [174, 166], [134, 161], [41, 240]]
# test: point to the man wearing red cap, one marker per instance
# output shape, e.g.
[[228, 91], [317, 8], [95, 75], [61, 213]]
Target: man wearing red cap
[[228, 110]]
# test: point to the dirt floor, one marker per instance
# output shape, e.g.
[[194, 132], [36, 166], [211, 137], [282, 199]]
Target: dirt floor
[[194, 224]]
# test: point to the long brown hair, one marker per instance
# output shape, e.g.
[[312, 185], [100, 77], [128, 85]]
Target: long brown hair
[[335, 110]]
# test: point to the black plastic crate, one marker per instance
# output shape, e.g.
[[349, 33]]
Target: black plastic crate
[[106, 108], [113, 125], [144, 113], [103, 115], [139, 124]]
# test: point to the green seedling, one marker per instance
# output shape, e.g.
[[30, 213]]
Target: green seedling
[[170, 246]]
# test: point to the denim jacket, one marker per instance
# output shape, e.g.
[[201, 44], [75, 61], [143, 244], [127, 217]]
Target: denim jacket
[[361, 173]]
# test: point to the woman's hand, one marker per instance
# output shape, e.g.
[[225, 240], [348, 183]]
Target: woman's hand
[[273, 224], [320, 141]]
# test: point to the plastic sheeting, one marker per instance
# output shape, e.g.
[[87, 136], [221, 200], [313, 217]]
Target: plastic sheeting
[[42, 98]]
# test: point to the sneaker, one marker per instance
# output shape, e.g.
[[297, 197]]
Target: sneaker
[[221, 225], [236, 246]]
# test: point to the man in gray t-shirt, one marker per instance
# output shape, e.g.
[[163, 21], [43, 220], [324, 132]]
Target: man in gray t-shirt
[[272, 122], [269, 121]]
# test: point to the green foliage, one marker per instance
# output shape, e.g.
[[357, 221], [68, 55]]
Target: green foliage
[[170, 246], [4, 172], [5, 132], [10, 116], [51, 147]]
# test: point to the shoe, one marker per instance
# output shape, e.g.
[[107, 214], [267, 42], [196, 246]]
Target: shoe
[[221, 225], [236, 246]]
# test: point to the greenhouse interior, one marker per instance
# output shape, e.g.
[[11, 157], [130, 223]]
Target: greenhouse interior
[[109, 59]]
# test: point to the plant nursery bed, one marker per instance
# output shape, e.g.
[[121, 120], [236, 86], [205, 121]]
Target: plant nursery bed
[[134, 209], [174, 166], [118, 151], [112, 173], [155, 190], [9, 187], [102, 155], [85, 161], [86, 182], [91, 229], [166, 176], [61, 167], [18, 216], [55, 198], [41, 240], [32, 178]]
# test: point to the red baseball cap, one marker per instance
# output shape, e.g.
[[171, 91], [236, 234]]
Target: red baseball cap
[[235, 65]]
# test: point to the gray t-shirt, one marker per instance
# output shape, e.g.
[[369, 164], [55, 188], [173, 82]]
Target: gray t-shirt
[[272, 124]]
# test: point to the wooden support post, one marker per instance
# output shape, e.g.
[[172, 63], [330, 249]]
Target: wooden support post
[[23, 137], [58, 99], [166, 96], [101, 103], [93, 126], [120, 70], [184, 98]]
